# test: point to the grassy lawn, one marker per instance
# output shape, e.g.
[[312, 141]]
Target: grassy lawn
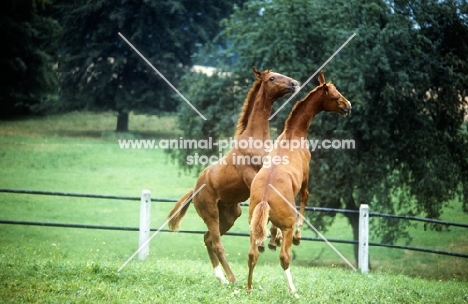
[[78, 152], [59, 278]]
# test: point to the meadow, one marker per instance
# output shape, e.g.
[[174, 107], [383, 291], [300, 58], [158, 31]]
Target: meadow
[[79, 152]]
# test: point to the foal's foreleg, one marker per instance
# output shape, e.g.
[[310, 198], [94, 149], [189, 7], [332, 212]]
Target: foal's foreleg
[[275, 238]]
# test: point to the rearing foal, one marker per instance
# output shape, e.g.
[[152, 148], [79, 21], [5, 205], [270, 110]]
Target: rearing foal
[[274, 188], [227, 183]]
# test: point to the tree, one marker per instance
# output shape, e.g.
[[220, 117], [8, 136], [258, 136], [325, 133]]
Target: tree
[[28, 80], [409, 140], [101, 72], [247, 40], [406, 77]]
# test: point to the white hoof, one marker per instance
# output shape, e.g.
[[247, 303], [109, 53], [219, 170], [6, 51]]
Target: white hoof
[[220, 275]]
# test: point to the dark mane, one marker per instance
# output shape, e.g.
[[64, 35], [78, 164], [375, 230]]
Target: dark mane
[[247, 107]]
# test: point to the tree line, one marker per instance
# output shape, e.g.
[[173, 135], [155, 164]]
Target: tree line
[[67, 55]]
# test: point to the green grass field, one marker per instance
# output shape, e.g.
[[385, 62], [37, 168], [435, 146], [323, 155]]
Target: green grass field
[[78, 152]]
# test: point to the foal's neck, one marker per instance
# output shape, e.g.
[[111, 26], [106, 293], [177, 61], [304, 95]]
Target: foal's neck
[[258, 124], [298, 122]]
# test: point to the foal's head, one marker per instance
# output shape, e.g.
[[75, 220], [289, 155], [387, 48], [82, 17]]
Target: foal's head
[[276, 85], [334, 101]]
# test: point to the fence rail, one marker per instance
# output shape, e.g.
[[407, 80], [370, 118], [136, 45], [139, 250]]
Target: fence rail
[[137, 198], [338, 241], [83, 195], [167, 200]]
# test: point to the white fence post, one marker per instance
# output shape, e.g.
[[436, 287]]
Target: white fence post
[[145, 212], [364, 238]]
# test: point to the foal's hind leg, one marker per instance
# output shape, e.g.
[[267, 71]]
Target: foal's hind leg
[[214, 258], [285, 258], [227, 216], [253, 258], [304, 196], [206, 205], [215, 250]]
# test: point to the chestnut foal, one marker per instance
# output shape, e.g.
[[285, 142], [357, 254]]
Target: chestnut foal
[[274, 188], [221, 187]]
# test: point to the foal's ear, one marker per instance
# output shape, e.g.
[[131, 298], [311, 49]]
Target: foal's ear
[[321, 78], [257, 73]]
